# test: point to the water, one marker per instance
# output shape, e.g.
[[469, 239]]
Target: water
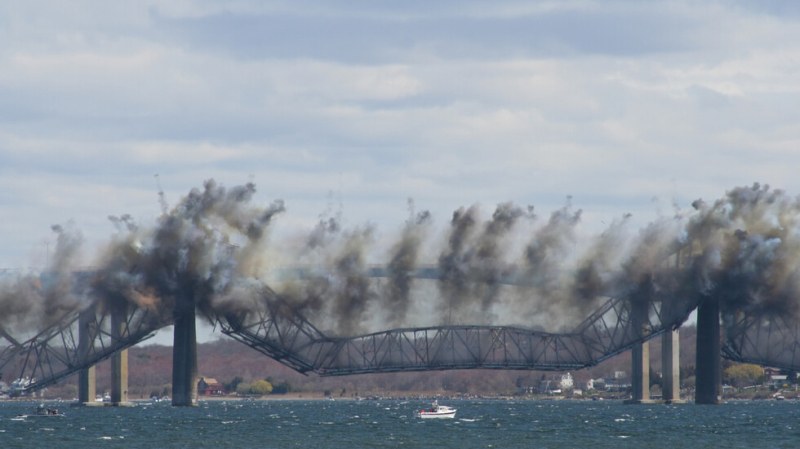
[[392, 423]]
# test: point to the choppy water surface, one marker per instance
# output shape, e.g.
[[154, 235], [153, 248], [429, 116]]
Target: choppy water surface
[[391, 423]]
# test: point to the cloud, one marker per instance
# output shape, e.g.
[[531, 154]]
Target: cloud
[[457, 103], [623, 29]]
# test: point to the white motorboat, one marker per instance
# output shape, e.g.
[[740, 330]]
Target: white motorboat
[[437, 411]]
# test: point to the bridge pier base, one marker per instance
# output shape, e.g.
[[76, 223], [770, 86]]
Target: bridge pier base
[[119, 363], [640, 374], [708, 364], [670, 367], [87, 384], [640, 353], [184, 356]]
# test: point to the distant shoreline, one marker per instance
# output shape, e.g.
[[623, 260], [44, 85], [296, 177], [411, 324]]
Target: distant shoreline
[[268, 397], [411, 396]]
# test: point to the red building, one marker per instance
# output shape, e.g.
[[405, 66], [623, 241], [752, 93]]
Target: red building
[[208, 386]]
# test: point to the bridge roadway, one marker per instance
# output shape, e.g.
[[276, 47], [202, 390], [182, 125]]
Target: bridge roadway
[[81, 339], [615, 327]]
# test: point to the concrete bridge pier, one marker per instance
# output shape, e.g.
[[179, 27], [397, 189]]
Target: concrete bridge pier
[[708, 363], [87, 386], [119, 362], [640, 355], [184, 355], [87, 381], [640, 374], [670, 367]]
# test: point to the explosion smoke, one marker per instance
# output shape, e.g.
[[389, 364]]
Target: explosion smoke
[[36, 302], [454, 272], [192, 257], [545, 283], [403, 261], [208, 252], [746, 249]]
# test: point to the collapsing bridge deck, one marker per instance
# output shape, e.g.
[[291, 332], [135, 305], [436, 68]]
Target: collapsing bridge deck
[[274, 329], [617, 326]]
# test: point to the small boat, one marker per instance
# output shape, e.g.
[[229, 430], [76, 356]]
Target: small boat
[[437, 411], [40, 411], [47, 411]]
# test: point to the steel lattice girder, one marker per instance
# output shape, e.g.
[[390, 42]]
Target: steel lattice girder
[[764, 338], [9, 351], [617, 326], [58, 351], [451, 347], [272, 327], [613, 329]]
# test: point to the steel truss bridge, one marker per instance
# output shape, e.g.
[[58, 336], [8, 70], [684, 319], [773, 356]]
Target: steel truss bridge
[[271, 326], [77, 341]]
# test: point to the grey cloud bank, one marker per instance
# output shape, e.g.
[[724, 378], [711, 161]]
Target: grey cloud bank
[[351, 37], [628, 107]]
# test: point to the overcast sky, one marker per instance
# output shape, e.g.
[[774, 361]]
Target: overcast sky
[[625, 106]]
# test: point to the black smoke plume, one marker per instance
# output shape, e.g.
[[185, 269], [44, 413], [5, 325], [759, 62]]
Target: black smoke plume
[[403, 260], [210, 252]]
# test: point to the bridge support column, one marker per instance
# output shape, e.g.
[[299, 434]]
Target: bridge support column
[[670, 367], [119, 362], [87, 389], [708, 364], [640, 374], [87, 386], [640, 354], [184, 355]]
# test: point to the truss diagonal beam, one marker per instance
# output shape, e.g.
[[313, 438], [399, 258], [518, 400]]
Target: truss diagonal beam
[[273, 327], [764, 338], [57, 352], [286, 336]]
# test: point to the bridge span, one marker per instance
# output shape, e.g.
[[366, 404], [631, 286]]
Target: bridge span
[[79, 340], [615, 327]]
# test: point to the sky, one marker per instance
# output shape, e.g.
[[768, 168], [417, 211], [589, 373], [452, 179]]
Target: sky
[[356, 107]]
